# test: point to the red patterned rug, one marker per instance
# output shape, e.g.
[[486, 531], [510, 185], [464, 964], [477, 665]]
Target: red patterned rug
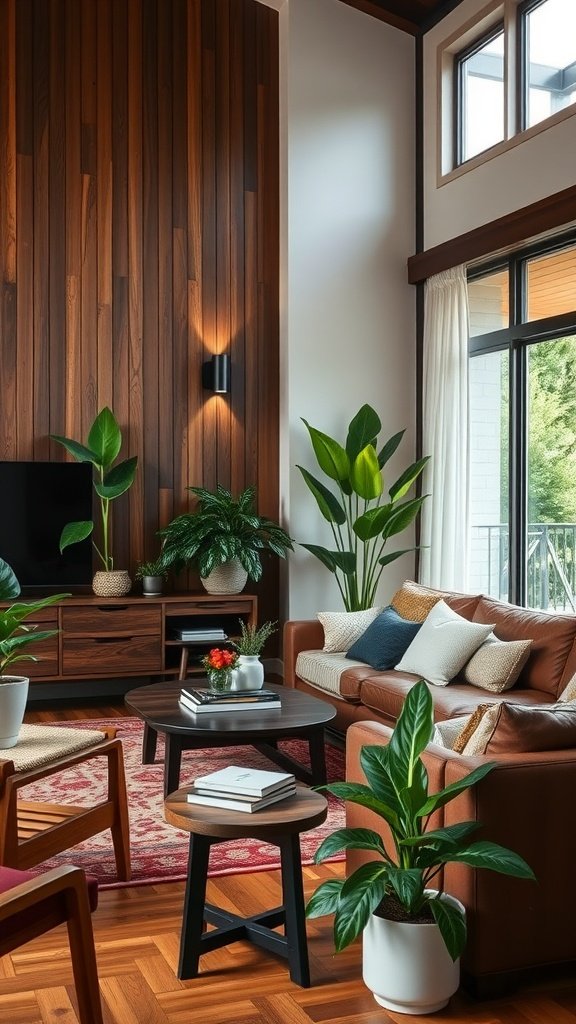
[[159, 851]]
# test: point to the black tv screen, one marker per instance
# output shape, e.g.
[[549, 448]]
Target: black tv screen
[[36, 500]]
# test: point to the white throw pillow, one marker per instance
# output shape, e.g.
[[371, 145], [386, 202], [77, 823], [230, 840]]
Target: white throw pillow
[[342, 629], [443, 645]]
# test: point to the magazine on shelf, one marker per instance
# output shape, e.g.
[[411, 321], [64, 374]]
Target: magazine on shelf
[[238, 802], [215, 707], [203, 695], [246, 781]]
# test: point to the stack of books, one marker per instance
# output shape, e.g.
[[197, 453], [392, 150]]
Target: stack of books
[[182, 630], [204, 701], [242, 789]]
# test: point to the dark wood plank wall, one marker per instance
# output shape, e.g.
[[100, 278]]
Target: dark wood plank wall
[[139, 234]]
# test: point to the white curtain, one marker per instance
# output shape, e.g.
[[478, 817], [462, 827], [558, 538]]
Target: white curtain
[[445, 523]]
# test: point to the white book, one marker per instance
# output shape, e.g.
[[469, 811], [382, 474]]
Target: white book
[[239, 803], [245, 781], [216, 709]]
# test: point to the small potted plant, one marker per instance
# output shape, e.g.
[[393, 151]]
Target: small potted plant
[[413, 934], [101, 449], [152, 574], [249, 645], [223, 539], [14, 637], [220, 666]]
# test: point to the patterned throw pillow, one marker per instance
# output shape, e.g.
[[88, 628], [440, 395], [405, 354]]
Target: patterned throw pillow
[[469, 727], [478, 738], [414, 601], [497, 664], [447, 732], [444, 644], [569, 691], [342, 629]]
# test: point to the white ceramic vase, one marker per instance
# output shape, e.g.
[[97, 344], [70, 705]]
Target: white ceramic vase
[[13, 697], [407, 966], [116, 583], [229, 578], [249, 673]]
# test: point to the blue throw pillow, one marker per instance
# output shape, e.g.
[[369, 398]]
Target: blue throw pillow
[[385, 641]]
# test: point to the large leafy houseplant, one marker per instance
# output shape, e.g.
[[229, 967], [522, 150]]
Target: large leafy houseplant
[[15, 635], [222, 529], [400, 878], [361, 517], [101, 449]]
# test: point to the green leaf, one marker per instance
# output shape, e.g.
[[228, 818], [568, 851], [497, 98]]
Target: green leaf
[[408, 884], [360, 895], [9, 586], [365, 475], [328, 504], [437, 800], [323, 555], [345, 561], [452, 924], [331, 456], [357, 793], [118, 480], [349, 839], [404, 482], [389, 448], [325, 899], [386, 559], [374, 764], [371, 523], [105, 437], [79, 451], [412, 732], [450, 835], [363, 429], [73, 533], [495, 857], [403, 516]]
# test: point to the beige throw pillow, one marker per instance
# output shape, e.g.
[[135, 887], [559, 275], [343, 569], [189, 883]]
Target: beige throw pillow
[[496, 664], [443, 645], [569, 691], [413, 601], [480, 737], [469, 727], [342, 629]]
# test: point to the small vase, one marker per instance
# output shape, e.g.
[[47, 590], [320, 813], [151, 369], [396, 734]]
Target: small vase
[[250, 673], [13, 697], [220, 680], [115, 583]]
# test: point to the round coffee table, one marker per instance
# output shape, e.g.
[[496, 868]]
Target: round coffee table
[[281, 825], [300, 716]]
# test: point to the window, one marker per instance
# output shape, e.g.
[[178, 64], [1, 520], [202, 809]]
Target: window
[[480, 88], [547, 58], [523, 427]]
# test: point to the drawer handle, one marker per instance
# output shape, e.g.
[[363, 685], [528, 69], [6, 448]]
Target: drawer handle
[[110, 639], [113, 609]]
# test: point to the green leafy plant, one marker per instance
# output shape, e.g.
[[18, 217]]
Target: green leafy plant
[[362, 519], [222, 529], [397, 791], [14, 634], [155, 567], [101, 449], [253, 638]]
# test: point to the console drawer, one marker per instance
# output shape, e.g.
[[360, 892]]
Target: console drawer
[[96, 656], [45, 650], [112, 619]]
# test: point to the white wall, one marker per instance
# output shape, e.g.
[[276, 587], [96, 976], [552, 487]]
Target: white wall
[[538, 167], [348, 313]]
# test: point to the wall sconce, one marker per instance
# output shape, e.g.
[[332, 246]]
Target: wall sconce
[[216, 374]]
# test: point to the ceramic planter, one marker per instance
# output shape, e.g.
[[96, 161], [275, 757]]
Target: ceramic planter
[[229, 578], [249, 672], [407, 966], [13, 697], [115, 583], [152, 586]]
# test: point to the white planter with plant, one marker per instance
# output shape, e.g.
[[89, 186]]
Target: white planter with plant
[[102, 449], [223, 540], [249, 668], [14, 637], [361, 516], [390, 900]]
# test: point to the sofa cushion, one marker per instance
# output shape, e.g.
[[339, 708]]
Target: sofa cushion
[[496, 664], [443, 645], [324, 669], [413, 601], [342, 629], [385, 641], [552, 639], [385, 693], [512, 729]]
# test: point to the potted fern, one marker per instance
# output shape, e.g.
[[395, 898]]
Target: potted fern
[[223, 539], [152, 574], [413, 934], [250, 670], [15, 637]]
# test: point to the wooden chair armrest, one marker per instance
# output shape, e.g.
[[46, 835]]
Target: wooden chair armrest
[[19, 779], [42, 886]]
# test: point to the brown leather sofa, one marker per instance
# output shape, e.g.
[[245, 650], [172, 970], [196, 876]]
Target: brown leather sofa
[[525, 803]]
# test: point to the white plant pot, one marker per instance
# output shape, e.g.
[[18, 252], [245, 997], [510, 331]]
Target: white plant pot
[[249, 673], [229, 578], [407, 966], [13, 697]]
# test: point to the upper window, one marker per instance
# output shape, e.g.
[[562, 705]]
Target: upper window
[[548, 58], [480, 95]]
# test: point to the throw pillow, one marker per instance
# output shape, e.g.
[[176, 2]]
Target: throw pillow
[[477, 740], [524, 728], [497, 664], [342, 629], [469, 727], [385, 640], [446, 733], [443, 645], [414, 601], [569, 691]]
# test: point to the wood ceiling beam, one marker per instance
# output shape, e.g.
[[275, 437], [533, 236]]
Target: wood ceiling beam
[[376, 11]]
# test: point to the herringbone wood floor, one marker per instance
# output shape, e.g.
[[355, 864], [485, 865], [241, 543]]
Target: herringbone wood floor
[[137, 934]]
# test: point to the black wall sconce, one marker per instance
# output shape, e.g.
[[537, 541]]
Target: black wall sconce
[[216, 374]]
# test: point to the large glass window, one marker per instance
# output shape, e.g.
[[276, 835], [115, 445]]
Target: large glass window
[[548, 57], [523, 428], [480, 91]]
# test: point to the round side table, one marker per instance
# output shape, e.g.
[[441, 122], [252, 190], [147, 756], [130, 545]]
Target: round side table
[[281, 825]]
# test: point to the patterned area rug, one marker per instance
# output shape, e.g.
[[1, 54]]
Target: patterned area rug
[[159, 851]]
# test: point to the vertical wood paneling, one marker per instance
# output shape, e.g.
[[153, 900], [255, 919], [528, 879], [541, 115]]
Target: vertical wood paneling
[[139, 235]]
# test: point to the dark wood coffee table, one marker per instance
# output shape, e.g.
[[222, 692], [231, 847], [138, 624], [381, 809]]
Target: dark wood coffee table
[[300, 716]]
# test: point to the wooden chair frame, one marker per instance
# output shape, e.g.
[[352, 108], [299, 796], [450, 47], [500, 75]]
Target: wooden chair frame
[[56, 897], [33, 832]]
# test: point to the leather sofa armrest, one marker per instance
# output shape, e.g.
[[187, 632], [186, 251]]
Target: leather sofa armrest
[[300, 635]]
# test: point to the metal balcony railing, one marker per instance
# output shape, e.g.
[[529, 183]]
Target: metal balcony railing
[[551, 568]]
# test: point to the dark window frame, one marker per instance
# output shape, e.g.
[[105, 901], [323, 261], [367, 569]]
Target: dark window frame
[[459, 93]]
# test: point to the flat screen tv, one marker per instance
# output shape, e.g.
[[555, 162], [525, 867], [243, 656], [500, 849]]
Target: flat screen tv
[[36, 500]]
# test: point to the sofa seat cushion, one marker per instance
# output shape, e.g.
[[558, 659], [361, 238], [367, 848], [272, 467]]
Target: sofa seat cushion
[[552, 639], [385, 693], [325, 670]]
